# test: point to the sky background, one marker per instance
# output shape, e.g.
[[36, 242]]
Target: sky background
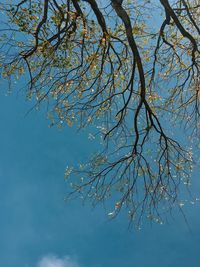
[[38, 229]]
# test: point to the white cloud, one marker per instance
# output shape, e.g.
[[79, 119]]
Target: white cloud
[[54, 261]]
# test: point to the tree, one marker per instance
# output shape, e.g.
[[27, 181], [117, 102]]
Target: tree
[[130, 69]]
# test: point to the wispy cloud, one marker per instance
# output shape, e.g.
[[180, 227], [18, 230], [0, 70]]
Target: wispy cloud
[[54, 261]]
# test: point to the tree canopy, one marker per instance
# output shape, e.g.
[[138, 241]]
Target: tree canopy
[[130, 69]]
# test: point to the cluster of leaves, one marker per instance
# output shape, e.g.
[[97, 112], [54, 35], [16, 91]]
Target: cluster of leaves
[[123, 68]]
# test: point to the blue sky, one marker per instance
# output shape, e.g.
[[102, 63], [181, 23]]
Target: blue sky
[[38, 229]]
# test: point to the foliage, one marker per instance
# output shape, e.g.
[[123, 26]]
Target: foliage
[[130, 68]]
